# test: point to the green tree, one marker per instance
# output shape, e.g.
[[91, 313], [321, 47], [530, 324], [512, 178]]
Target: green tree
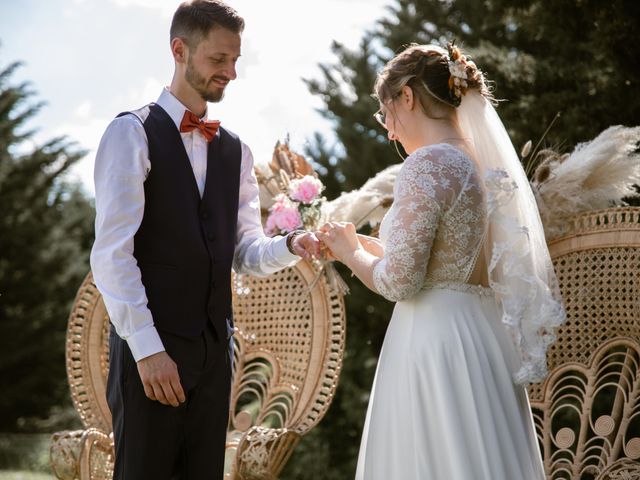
[[46, 231], [576, 57]]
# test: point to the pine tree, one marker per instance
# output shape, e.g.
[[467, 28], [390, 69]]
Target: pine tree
[[46, 229], [577, 57]]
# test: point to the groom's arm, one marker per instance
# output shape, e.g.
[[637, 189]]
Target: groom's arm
[[121, 166], [255, 253]]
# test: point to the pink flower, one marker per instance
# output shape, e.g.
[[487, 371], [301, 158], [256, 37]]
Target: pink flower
[[270, 228], [280, 202], [283, 217], [289, 219], [305, 189]]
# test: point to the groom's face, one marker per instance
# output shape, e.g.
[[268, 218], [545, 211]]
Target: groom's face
[[212, 64]]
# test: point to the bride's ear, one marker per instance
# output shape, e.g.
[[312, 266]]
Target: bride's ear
[[407, 97]]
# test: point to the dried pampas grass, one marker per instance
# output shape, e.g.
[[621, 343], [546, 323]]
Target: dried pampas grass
[[274, 177], [597, 174], [367, 204]]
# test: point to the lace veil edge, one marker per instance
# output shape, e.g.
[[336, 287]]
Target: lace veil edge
[[520, 270]]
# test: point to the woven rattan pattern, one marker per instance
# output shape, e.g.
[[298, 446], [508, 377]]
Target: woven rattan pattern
[[288, 327], [598, 268], [589, 418], [282, 327], [587, 412], [87, 354], [290, 342]]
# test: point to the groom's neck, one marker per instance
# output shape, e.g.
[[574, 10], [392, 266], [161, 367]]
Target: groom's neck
[[188, 97]]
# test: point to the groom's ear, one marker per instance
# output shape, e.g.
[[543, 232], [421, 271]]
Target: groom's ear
[[179, 49]]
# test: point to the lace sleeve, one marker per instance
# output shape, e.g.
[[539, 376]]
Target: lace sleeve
[[427, 185]]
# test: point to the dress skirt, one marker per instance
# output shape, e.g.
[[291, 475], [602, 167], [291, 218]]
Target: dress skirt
[[443, 404]]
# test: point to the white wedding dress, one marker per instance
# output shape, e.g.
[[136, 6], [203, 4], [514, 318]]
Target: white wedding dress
[[444, 405]]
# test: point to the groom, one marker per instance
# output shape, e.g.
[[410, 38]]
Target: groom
[[176, 208]]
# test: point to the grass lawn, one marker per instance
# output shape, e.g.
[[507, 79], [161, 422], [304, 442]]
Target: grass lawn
[[16, 475], [25, 456]]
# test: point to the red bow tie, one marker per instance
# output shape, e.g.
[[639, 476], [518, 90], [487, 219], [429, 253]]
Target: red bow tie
[[190, 121]]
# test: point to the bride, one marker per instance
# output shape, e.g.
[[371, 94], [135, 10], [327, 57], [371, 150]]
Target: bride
[[463, 254]]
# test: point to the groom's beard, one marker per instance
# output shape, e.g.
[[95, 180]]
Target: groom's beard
[[200, 84]]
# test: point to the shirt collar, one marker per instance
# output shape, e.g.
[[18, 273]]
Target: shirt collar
[[174, 107]]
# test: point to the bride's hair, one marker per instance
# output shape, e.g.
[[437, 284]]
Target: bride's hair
[[439, 78]]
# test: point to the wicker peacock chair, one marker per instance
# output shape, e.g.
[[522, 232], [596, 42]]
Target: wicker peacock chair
[[587, 411], [289, 337]]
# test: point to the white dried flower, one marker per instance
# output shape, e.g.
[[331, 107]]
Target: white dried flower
[[458, 70]]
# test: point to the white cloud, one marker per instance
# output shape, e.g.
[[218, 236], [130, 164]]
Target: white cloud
[[137, 97], [166, 7], [87, 133], [83, 110], [89, 75]]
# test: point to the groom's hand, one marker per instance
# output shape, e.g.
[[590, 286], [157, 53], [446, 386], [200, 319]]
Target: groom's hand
[[160, 379], [306, 245]]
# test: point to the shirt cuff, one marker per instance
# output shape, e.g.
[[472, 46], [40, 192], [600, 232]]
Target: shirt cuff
[[145, 343], [282, 253]]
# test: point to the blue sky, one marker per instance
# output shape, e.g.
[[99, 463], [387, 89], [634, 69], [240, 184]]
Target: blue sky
[[91, 59]]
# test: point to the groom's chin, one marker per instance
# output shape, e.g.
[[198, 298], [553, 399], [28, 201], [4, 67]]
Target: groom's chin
[[214, 96]]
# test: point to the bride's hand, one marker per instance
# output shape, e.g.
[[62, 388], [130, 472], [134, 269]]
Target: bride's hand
[[340, 238], [325, 252]]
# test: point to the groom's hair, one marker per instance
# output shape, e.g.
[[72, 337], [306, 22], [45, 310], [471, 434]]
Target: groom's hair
[[194, 19]]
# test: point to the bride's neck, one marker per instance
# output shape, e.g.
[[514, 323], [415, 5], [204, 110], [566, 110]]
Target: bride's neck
[[433, 131], [441, 131], [430, 131]]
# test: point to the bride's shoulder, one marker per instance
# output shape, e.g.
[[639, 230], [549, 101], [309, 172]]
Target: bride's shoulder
[[438, 158]]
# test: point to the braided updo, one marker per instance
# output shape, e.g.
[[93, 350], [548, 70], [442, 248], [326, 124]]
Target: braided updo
[[439, 77]]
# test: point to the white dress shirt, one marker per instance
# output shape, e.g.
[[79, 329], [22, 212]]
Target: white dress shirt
[[121, 168]]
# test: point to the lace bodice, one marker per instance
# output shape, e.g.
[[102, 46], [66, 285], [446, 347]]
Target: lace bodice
[[433, 232]]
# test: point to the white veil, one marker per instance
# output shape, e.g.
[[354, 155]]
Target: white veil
[[519, 266]]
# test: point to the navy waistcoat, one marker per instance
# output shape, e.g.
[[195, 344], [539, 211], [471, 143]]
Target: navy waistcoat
[[185, 245]]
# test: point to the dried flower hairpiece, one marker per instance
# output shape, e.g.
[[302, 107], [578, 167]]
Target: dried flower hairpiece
[[458, 64]]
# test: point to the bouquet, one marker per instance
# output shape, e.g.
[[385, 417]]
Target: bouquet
[[290, 193], [299, 208]]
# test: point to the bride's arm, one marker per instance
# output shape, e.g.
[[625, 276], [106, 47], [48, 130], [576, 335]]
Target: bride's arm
[[371, 245], [426, 187], [353, 250], [362, 264]]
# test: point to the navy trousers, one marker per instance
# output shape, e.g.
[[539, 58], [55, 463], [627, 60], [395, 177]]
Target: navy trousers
[[159, 442]]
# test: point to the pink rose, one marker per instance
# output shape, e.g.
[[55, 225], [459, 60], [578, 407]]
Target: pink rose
[[283, 217], [305, 189], [280, 202], [270, 228], [288, 219]]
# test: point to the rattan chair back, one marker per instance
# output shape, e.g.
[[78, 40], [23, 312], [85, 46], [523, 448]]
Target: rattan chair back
[[289, 339], [587, 411]]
